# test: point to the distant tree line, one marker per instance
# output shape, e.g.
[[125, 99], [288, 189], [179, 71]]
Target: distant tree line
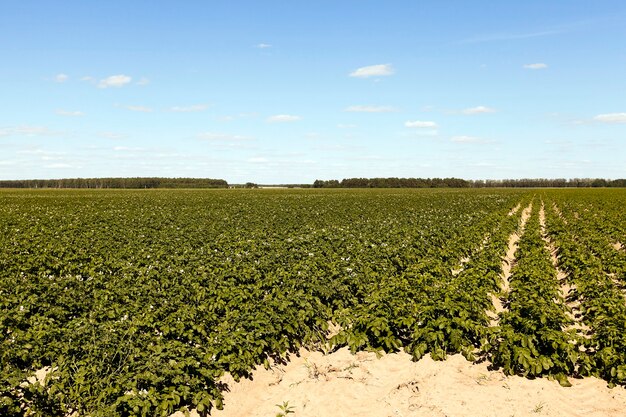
[[545, 182], [461, 183], [393, 183], [117, 183]]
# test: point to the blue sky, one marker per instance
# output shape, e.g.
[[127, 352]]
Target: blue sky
[[293, 91]]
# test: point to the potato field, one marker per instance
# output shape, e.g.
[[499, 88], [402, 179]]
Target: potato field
[[136, 303]]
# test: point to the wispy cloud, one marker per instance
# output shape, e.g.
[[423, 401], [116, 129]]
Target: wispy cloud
[[258, 160], [61, 78], [536, 66], [116, 81], [469, 139], [370, 109], [142, 109], [346, 126], [189, 109], [495, 37], [373, 71], [143, 81], [279, 118], [611, 118], [222, 137], [478, 110], [27, 131], [59, 165], [127, 149], [68, 113], [420, 124], [263, 45], [44, 154]]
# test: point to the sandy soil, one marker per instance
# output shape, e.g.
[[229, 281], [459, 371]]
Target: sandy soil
[[341, 384]]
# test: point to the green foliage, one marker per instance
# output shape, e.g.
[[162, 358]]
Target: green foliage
[[138, 302], [285, 409], [584, 229]]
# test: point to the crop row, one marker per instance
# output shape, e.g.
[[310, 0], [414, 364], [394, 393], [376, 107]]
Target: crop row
[[602, 302], [531, 340]]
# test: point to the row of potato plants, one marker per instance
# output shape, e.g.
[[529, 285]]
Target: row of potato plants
[[138, 302], [531, 339], [603, 305], [599, 223], [438, 304]]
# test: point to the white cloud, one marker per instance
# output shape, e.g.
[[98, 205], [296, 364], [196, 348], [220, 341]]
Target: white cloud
[[141, 109], [611, 118], [464, 139], [346, 126], [258, 160], [373, 71], [536, 66], [478, 110], [231, 117], [420, 124], [222, 137], [127, 149], [278, 118], [189, 109], [263, 45], [143, 81], [26, 131], [58, 166], [70, 113], [41, 152], [115, 81], [61, 78], [468, 139], [370, 109], [87, 78]]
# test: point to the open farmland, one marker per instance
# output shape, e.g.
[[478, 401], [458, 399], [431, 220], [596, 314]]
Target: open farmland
[[139, 302]]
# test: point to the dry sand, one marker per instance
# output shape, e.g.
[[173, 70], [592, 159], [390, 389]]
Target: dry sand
[[342, 384]]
